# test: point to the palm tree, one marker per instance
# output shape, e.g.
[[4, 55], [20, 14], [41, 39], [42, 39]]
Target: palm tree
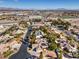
[[41, 55]]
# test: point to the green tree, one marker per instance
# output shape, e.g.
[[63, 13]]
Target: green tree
[[52, 46], [33, 38]]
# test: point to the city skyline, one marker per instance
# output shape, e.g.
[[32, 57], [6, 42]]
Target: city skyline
[[40, 4]]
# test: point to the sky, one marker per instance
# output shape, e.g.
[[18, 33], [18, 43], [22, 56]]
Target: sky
[[40, 4]]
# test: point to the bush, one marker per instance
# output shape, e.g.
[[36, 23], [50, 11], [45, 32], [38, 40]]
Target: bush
[[7, 53]]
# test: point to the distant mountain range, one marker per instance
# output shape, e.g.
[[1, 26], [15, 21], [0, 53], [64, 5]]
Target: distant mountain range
[[4, 8], [59, 9]]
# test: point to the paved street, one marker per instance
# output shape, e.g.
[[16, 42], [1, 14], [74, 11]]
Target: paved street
[[23, 53]]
